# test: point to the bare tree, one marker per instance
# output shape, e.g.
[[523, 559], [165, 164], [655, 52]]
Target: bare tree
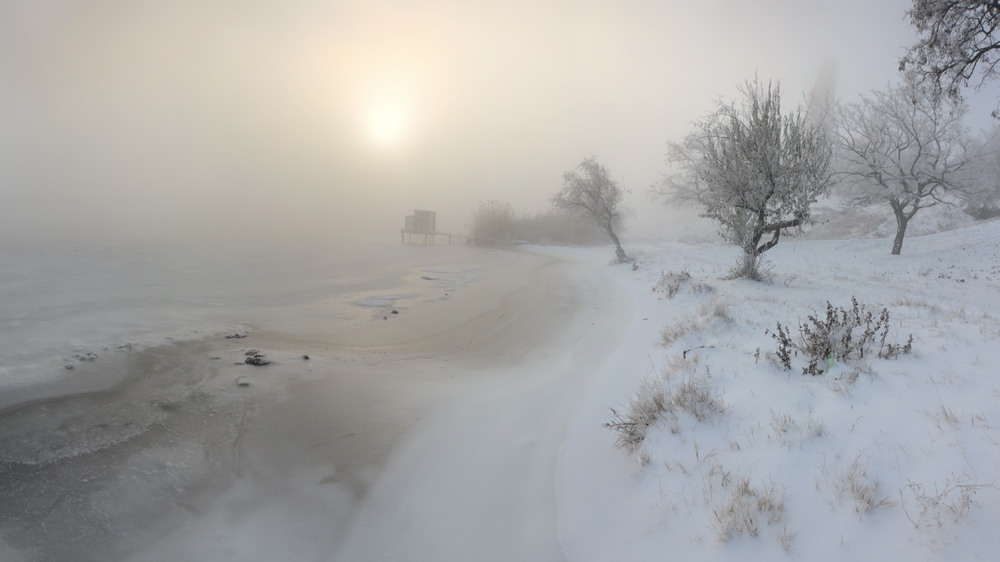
[[958, 40], [903, 146], [755, 171], [591, 192]]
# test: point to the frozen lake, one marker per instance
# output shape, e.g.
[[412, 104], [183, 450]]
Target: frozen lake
[[158, 425]]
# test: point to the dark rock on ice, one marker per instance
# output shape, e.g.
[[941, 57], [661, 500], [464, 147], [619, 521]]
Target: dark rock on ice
[[256, 358]]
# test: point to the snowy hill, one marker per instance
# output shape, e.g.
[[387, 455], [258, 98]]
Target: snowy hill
[[839, 220], [735, 457]]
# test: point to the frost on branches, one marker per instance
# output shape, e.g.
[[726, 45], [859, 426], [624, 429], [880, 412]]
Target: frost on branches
[[754, 171], [904, 147], [958, 40]]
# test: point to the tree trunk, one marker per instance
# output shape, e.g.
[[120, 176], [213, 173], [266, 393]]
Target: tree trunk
[[901, 221], [619, 252]]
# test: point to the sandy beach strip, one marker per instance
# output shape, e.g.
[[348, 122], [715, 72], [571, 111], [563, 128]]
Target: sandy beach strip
[[227, 461]]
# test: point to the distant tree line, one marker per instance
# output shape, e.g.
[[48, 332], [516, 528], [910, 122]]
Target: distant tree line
[[497, 223]]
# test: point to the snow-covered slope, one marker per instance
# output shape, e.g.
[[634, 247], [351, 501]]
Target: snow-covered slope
[[874, 459]]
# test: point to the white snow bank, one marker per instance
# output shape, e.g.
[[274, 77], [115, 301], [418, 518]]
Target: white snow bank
[[882, 459]]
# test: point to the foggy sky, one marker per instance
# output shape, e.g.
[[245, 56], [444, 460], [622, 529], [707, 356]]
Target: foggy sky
[[138, 119]]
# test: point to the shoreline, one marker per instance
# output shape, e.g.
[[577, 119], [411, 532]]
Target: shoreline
[[331, 423]]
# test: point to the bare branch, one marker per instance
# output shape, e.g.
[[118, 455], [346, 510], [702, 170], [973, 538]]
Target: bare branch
[[905, 147]]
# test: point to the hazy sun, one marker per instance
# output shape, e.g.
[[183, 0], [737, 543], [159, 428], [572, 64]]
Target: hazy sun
[[386, 125]]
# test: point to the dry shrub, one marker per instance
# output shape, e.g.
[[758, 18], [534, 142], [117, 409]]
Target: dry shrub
[[950, 502], [845, 334]]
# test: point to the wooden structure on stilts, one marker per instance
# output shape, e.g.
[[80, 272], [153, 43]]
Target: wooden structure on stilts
[[422, 225], [421, 228]]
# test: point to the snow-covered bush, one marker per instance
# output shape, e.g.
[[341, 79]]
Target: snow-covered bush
[[843, 335]]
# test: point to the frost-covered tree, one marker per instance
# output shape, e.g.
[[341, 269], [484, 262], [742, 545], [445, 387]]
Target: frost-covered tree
[[958, 41], [903, 146], [754, 170], [982, 195], [591, 192]]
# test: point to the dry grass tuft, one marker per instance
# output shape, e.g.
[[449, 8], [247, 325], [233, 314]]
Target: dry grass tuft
[[677, 390], [710, 311], [788, 430], [747, 509], [671, 282], [860, 485]]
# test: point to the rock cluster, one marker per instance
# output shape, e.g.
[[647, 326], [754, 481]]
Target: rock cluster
[[254, 357]]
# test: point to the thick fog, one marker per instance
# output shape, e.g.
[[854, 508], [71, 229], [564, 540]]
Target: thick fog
[[144, 119]]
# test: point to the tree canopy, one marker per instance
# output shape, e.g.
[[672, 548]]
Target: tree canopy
[[754, 170], [959, 40]]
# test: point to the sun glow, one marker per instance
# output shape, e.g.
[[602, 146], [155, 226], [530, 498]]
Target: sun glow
[[387, 119], [387, 125]]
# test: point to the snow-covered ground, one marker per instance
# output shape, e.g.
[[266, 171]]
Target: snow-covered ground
[[875, 459], [484, 438]]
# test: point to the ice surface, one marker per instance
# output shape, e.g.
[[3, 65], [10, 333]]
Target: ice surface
[[145, 434], [382, 300]]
